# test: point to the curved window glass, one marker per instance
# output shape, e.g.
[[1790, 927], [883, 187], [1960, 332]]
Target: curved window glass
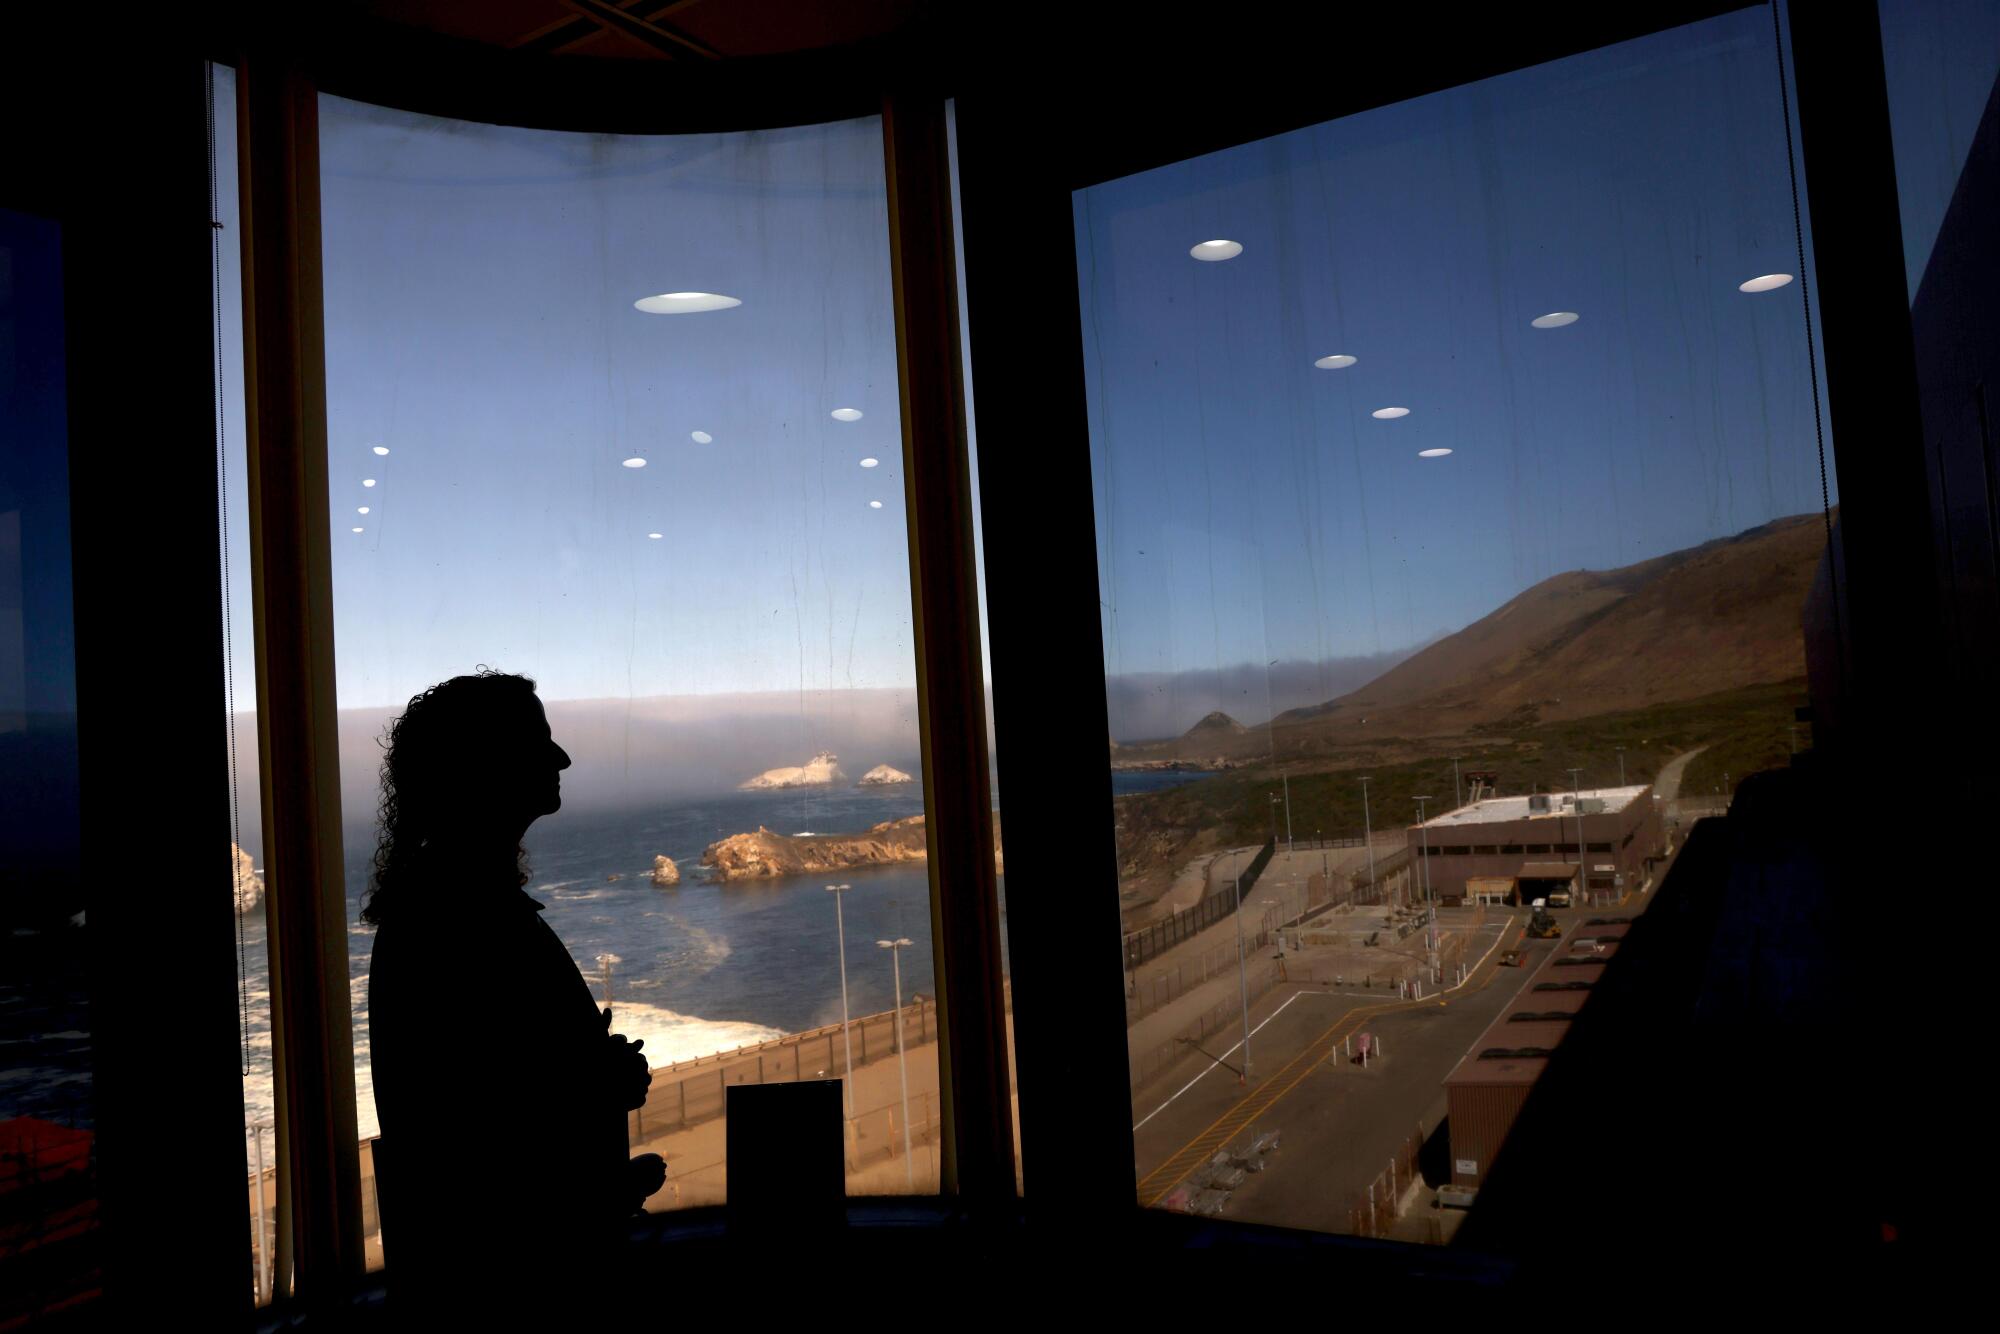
[[1458, 493], [620, 414]]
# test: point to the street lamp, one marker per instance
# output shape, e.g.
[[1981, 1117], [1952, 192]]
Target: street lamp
[[846, 1035], [1576, 791], [1242, 978], [895, 948], [1430, 907], [1286, 779], [1368, 834]]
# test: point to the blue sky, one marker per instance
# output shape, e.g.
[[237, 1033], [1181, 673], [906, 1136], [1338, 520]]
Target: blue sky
[[1249, 505], [480, 325]]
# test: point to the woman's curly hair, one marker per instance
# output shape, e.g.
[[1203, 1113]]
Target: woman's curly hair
[[426, 751]]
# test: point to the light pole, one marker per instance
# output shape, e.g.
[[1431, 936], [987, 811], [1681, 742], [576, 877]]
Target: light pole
[[1457, 791], [895, 948], [1621, 764], [1430, 908], [1274, 817], [846, 1035], [1287, 780], [605, 961], [264, 1268], [1368, 833], [1242, 978], [1576, 790]]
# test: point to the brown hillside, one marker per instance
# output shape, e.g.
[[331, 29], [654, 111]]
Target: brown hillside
[[1715, 617]]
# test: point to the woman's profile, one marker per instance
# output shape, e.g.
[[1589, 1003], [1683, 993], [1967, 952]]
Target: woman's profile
[[500, 1091]]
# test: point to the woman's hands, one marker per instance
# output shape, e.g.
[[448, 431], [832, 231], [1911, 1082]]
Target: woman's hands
[[631, 1074], [645, 1174]]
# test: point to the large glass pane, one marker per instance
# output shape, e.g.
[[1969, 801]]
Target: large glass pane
[[1457, 496], [1941, 62], [1940, 59], [985, 632], [49, 1253], [249, 889], [621, 414]]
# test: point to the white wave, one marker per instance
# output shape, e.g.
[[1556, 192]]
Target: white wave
[[672, 1037]]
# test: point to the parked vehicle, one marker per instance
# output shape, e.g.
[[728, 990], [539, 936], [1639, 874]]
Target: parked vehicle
[[1512, 959]]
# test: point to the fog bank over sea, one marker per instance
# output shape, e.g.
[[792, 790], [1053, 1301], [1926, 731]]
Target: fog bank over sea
[[636, 753], [1153, 706]]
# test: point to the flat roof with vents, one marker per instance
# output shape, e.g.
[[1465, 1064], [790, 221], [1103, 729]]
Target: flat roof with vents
[[1500, 810]]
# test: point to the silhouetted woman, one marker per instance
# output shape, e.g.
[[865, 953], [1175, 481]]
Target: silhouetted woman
[[500, 1092]]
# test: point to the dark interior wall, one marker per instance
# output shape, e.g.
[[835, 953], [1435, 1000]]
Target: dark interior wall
[[107, 141], [1958, 378]]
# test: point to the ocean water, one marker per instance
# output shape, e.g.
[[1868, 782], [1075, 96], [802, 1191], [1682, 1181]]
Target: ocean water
[[1124, 782], [698, 968]]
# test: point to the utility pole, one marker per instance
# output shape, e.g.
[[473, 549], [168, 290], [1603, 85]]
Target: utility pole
[[1242, 979], [1286, 778], [846, 1035], [1582, 876], [1430, 905], [895, 948], [1368, 834], [1621, 764], [1457, 790]]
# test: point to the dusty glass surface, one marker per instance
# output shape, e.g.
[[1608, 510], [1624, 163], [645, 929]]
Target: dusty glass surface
[[1457, 495]]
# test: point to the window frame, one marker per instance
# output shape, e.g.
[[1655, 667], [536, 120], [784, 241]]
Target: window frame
[[1021, 159]]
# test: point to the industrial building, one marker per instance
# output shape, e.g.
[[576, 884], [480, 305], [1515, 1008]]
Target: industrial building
[[1596, 845], [1487, 1089]]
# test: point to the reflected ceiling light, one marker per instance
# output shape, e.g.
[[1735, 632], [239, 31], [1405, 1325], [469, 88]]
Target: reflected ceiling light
[[1555, 319], [1339, 361], [362, 510], [1389, 414], [655, 536], [869, 463], [634, 462], [703, 438], [1432, 453], [357, 530], [1217, 250], [368, 481], [382, 450], [685, 303], [1770, 282], [847, 414], [874, 504]]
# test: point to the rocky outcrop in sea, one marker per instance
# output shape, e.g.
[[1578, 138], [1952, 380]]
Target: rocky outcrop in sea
[[768, 855], [820, 770], [665, 872], [882, 775], [249, 887]]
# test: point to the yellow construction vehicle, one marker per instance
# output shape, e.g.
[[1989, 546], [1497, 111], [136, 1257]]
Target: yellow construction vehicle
[[1541, 926]]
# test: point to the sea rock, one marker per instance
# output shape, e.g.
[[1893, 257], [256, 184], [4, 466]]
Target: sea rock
[[882, 774], [665, 872], [820, 770], [249, 887], [768, 855]]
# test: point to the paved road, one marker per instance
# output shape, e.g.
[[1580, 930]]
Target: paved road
[[1668, 784], [1339, 1125], [1182, 1120]]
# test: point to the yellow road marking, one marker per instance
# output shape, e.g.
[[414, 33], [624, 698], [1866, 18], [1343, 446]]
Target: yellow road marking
[[1232, 1122]]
